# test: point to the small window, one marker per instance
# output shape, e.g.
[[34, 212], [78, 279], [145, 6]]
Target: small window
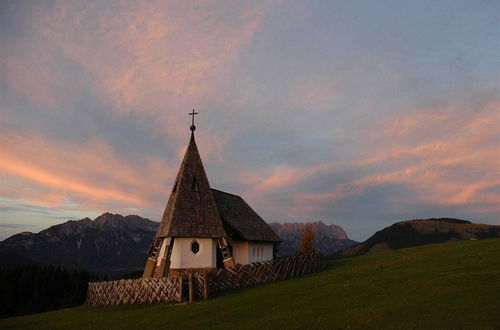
[[195, 247], [194, 186]]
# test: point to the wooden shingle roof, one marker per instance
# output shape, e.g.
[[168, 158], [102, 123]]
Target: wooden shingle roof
[[195, 210], [241, 218], [191, 209]]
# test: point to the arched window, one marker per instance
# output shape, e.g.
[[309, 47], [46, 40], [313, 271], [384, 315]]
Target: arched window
[[195, 247]]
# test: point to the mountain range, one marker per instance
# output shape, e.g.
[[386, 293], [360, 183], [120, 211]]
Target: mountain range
[[114, 245], [328, 238], [111, 244], [422, 232]]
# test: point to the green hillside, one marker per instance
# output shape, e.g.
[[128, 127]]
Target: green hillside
[[450, 285]]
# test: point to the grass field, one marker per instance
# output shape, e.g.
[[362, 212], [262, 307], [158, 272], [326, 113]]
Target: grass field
[[451, 285]]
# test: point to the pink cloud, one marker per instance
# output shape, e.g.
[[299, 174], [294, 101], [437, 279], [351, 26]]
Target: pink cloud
[[317, 93], [153, 58], [406, 124], [433, 170], [158, 60], [46, 172], [35, 75]]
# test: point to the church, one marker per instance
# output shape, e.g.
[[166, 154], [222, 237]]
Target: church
[[204, 228]]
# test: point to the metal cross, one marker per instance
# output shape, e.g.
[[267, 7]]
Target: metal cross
[[192, 114]]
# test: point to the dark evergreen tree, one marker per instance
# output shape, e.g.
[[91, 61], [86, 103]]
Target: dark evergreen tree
[[27, 289]]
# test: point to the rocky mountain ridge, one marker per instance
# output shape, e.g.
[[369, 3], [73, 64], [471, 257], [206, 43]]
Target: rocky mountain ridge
[[111, 244], [114, 245], [328, 238]]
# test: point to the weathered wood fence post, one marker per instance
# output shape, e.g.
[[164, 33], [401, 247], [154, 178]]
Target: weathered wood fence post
[[205, 286], [180, 287], [191, 287]]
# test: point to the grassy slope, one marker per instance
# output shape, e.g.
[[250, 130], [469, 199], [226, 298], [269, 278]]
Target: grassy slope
[[449, 285]]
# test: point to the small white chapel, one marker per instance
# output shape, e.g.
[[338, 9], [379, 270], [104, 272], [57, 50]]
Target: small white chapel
[[204, 228]]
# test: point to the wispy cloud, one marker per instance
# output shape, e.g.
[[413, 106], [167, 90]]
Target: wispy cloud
[[448, 171], [90, 174], [149, 58], [14, 226], [310, 110]]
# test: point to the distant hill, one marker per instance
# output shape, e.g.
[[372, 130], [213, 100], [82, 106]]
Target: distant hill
[[329, 238], [115, 245], [422, 232], [111, 244]]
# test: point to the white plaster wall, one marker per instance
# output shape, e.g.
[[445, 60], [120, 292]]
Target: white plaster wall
[[240, 252], [183, 257], [263, 251]]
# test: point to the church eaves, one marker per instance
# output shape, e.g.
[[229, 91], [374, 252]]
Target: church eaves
[[191, 210]]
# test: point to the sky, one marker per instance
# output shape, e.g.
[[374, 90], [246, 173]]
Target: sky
[[357, 113]]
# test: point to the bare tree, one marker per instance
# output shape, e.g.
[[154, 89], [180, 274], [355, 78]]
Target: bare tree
[[307, 239]]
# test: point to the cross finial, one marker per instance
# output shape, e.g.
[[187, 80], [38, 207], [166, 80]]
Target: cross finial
[[192, 128]]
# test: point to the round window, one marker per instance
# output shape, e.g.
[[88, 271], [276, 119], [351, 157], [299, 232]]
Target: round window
[[195, 247]]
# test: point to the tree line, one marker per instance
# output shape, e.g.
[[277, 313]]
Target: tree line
[[27, 289]]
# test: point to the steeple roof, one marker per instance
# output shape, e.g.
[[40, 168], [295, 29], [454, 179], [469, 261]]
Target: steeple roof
[[191, 210]]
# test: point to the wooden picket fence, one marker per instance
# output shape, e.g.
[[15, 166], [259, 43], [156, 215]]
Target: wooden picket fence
[[243, 276], [201, 285], [141, 291]]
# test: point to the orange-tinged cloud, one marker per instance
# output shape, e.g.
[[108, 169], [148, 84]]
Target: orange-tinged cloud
[[39, 176], [281, 177], [155, 61], [151, 60], [91, 175], [145, 59], [433, 170]]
